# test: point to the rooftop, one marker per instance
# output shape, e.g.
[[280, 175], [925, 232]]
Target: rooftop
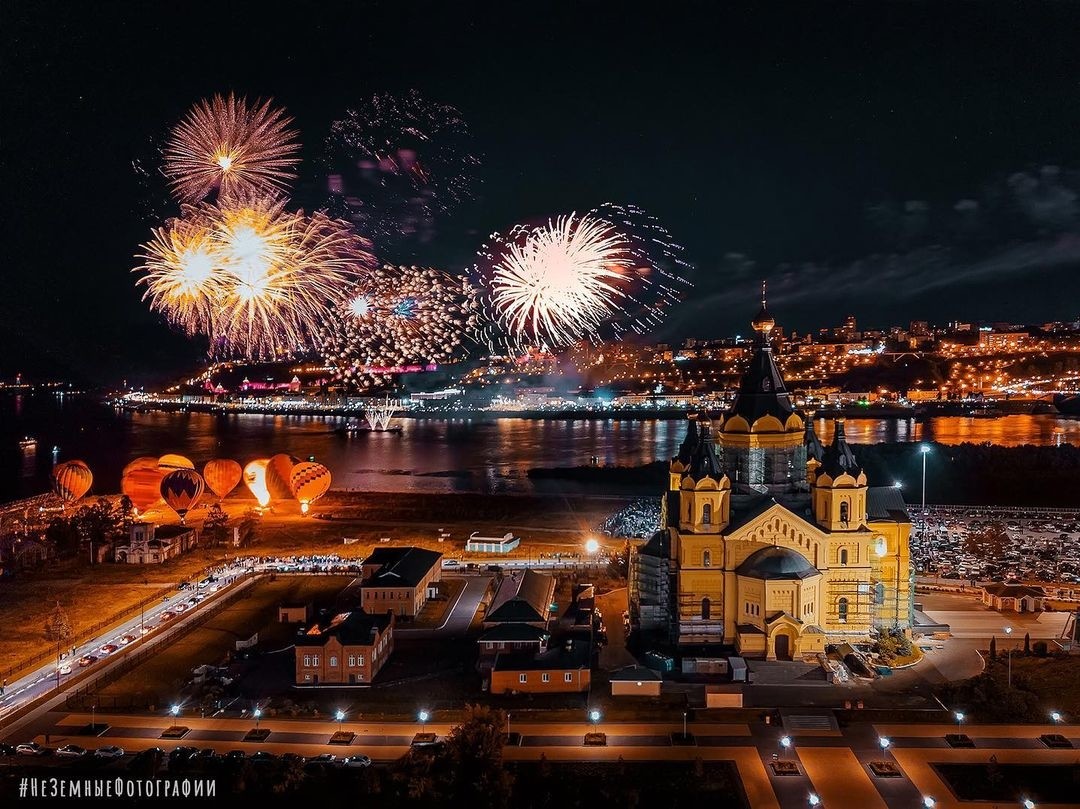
[[354, 628], [776, 563], [400, 566], [523, 598], [557, 659]]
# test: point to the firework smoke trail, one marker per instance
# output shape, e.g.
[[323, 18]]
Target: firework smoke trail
[[608, 272], [256, 279], [227, 145], [395, 163], [398, 316]]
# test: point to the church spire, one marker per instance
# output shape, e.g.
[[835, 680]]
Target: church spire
[[763, 323]]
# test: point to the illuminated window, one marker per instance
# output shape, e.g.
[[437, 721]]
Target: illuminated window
[[523, 678], [706, 558], [568, 677], [333, 662], [841, 610], [545, 677], [706, 514]]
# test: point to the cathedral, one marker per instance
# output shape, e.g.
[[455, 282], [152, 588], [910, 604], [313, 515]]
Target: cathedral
[[770, 543]]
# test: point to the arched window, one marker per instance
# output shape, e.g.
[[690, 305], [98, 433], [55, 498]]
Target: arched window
[[706, 558], [841, 610], [843, 556], [706, 514], [706, 608], [844, 511]]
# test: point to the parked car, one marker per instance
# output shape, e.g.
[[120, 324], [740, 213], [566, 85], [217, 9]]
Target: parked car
[[7, 749], [263, 755], [168, 615], [109, 753], [71, 751], [124, 641], [109, 648], [450, 563], [31, 749], [180, 607], [322, 758], [65, 668], [235, 755], [356, 761], [86, 660]]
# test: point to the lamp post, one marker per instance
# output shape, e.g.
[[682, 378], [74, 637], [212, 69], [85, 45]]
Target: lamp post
[[1055, 717], [928, 802], [785, 743], [925, 450], [1008, 655], [684, 733], [257, 713], [959, 718], [423, 716], [813, 799], [1028, 803], [594, 716], [884, 742], [175, 710], [508, 725], [340, 716]]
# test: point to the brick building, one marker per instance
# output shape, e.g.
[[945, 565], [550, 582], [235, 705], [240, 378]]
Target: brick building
[[399, 580], [563, 670], [348, 650], [522, 598]]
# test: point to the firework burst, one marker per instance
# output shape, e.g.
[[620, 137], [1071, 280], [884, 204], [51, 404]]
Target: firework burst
[[227, 145], [401, 315], [253, 277], [395, 163], [611, 271]]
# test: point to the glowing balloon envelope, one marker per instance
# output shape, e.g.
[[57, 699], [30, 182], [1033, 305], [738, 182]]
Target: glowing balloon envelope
[[71, 480], [170, 462], [181, 490], [145, 462], [222, 476], [278, 475], [255, 480], [309, 481], [142, 486]]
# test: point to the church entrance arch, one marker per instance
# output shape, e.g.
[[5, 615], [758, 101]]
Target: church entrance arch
[[783, 646]]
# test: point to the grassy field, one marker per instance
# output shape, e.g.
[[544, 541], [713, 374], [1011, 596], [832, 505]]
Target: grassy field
[[164, 672], [91, 595]]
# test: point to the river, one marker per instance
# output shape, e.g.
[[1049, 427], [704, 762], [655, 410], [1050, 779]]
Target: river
[[429, 455]]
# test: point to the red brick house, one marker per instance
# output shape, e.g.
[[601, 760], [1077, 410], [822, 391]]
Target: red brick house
[[348, 650], [399, 580], [563, 670]]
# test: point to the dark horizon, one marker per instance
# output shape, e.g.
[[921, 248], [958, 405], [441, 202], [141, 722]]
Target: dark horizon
[[905, 162]]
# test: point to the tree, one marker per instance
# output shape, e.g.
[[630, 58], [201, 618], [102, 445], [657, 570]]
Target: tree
[[993, 649], [63, 535], [214, 527], [474, 752], [1027, 643], [98, 524]]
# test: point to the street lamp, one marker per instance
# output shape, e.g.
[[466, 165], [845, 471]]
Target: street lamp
[[924, 449], [684, 733], [340, 717], [257, 713], [591, 546], [1055, 717], [423, 716], [884, 742], [813, 799], [594, 716], [1008, 655], [1028, 803], [959, 718], [785, 742], [928, 802], [175, 710]]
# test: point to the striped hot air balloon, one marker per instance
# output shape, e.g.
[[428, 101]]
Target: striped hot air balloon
[[278, 474], [71, 480], [170, 462], [145, 462], [181, 490], [222, 476], [142, 485], [309, 481]]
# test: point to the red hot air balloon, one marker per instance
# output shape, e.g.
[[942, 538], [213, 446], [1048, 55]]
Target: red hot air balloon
[[278, 474], [71, 480], [181, 490], [222, 476], [145, 462], [142, 486], [169, 462], [309, 482]]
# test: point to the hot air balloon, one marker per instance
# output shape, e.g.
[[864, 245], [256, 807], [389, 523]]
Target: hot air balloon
[[145, 462], [309, 482], [142, 486], [71, 480], [221, 476], [255, 480], [278, 474], [170, 462], [181, 490]]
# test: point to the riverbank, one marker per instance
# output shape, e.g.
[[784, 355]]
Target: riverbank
[[962, 474]]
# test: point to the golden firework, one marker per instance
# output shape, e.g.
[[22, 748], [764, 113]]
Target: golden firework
[[228, 146]]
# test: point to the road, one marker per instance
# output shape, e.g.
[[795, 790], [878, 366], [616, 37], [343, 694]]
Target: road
[[832, 764], [460, 614]]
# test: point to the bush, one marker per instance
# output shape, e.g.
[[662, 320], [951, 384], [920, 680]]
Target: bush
[[1039, 647]]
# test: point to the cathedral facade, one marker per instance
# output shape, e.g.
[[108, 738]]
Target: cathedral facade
[[770, 543]]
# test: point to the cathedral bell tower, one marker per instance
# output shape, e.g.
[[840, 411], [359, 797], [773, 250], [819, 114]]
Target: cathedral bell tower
[[839, 488], [704, 490]]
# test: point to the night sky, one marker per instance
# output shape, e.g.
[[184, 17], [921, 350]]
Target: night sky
[[893, 161]]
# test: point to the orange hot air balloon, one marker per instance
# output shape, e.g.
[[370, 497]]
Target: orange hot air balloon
[[170, 462], [309, 482], [278, 474], [145, 462], [222, 476], [181, 490], [255, 480], [142, 486], [71, 480]]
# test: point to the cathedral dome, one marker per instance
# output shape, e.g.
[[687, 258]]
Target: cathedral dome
[[776, 563]]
